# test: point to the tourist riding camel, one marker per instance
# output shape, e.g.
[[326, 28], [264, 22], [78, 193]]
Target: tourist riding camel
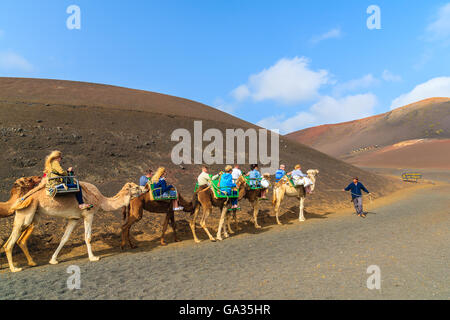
[[162, 189], [280, 173], [53, 171], [205, 198], [146, 178], [253, 196], [255, 179], [44, 201], [134, 212], [301, 179], [288, 188]]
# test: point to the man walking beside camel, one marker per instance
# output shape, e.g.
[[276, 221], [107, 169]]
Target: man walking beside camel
[[355, 187]]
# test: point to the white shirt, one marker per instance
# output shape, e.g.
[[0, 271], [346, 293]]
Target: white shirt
[[203, 179], [236, 173]]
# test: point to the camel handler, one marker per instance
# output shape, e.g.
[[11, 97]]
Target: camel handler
[[53, 169], [355, 187]]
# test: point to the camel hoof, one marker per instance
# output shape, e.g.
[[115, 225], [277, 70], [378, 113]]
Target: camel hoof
[[163, 244], [177, 240], [32, 264], [94, 259], [279, 223], [226, 235], [301, 220], [258, 226], [16, 269], [197, 241], [53, 261], [219, 239]]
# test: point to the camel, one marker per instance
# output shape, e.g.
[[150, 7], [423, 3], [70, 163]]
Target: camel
[[65, 206], [134, 211], [204, 199], [20, 188], [252, 195], [283, 187]]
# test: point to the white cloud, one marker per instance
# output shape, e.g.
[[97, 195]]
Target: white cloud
[[356, 84], [241, 92], [437, 87], [288, 81], [390, 77], [440, 28], [326, 110], [332, 34], [13, 61]]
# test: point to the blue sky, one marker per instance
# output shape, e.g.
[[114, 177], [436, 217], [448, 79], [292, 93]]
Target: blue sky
[[281, 64]]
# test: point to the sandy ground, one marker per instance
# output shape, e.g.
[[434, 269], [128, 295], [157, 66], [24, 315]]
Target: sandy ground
[[406, 235]]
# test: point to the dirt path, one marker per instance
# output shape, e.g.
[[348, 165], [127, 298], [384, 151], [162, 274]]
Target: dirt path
[[320, 259]]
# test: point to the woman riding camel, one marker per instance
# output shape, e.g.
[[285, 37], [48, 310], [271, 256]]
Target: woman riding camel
[[162, 189], [54, 170]]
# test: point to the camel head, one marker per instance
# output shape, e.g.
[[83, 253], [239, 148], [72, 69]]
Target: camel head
[[25, 184], [133, 190], [312, 173]]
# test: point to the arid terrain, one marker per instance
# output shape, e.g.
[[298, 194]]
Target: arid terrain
[[110, 135], [414, 136]]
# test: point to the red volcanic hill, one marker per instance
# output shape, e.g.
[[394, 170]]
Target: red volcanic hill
[[378, 140]]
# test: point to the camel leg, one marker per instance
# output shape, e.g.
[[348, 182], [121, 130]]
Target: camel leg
[[277, 210], [255, 214], [166, 222], [203, 222], [221, 222], [70, 226], [192, 224], [130, 220], [228, 221], [9, 244], [236, 226], [87, 236], [301, 216], [174, 227], [22, 243]]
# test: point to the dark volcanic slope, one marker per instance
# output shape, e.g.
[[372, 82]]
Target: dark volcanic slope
[[427, 119], [100, 95], [110, 146]]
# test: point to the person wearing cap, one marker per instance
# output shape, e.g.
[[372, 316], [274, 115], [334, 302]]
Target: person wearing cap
[[355, 187], [226, 184]]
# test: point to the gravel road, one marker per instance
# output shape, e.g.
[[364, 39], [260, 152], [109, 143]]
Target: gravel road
[[319, 259]]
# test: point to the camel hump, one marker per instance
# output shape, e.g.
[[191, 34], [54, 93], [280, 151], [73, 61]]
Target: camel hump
[[21, 204]]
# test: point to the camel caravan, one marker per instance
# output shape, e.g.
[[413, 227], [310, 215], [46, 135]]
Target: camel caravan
[[59, 194]]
